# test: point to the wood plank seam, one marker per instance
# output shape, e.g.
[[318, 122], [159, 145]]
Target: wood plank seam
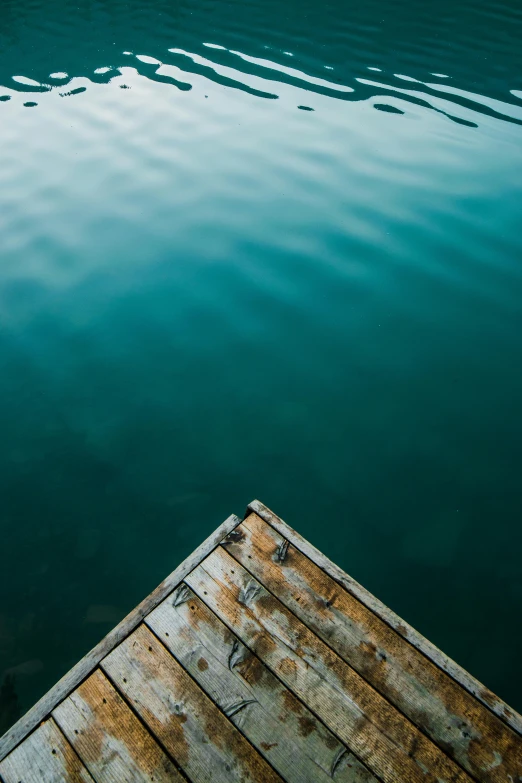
[[247, 686], [227, 716], [492, 702], [75, 676], [67, 741], [326, 644], [50, 753], [393, 752], [420, 727], [274, 601], [176, 708], [136, 714], [453, 719], [57, 725], [308, 706]]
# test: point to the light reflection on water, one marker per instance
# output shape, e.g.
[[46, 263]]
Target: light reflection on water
[[259, 250]]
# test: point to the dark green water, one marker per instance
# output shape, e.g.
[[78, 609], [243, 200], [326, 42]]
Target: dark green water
[[210, 294]]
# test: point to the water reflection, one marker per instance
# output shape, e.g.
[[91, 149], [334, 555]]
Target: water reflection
[[109, 40], [259, 249], [261, 77]]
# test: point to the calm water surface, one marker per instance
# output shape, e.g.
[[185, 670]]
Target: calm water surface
[[260, 249]]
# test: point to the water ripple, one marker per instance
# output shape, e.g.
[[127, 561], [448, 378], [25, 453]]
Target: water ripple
[[264, 77], [260, 248]]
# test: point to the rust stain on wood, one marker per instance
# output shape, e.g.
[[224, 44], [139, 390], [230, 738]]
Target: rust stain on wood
[[307, 725], [268, 745]]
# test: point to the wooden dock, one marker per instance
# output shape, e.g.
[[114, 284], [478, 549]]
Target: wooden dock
[[258, 659]]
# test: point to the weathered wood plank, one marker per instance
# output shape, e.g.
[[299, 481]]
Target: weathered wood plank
[[44, 757], [281, 667], [201, 739], [392, 747], [88, 664], [280, 727], [465, 729], [109, 738], [460, 675]]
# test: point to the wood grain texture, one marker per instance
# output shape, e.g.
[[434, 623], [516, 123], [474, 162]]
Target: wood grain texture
[[88, 664], [203, 741], [279, 726], [109, 738], [463, 727], [279, 667], [392, 747], [460, 675], [44, 757]]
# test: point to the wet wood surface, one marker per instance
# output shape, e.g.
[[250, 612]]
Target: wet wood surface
[[260, 660]]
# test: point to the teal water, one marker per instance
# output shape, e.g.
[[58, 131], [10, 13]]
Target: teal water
[[259, 249]]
